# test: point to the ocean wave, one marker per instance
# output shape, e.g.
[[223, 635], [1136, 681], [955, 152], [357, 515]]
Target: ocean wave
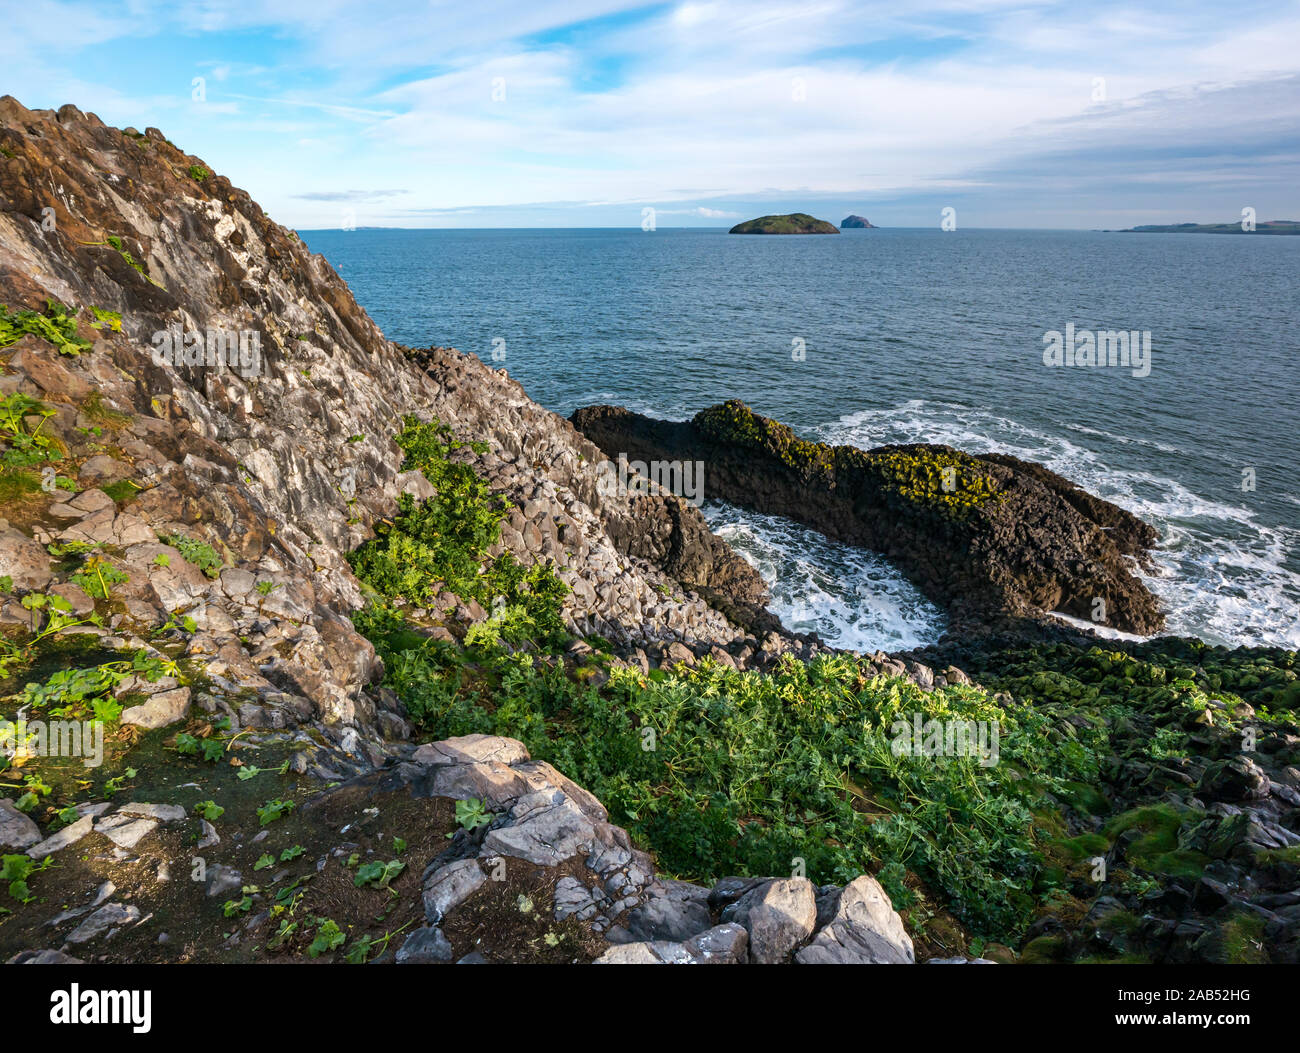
[[850, 597], [1221, 573]]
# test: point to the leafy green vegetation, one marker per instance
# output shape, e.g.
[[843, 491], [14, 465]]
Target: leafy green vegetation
[[115, 243], [198, 173], [378, 874], [106, 319], [24, 446], [723, 772], [793, 223], [273, 810], [442, 543], [122, 490], [200, 553], [55, 325], [329, 937], [16, 869], [97, 577], [471, 814]]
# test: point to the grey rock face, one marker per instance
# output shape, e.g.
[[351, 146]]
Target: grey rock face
[[43, 957], [109, 916], [722, 945], [778, 915], [425, 946], [60, 839], [450, 886], [222, 879], [124, 830], [17, 831], [166, 707], [165, 813], [864, 930], [23, 560], [672, 910]]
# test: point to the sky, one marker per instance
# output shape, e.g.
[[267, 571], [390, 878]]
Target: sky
[[580, 113]]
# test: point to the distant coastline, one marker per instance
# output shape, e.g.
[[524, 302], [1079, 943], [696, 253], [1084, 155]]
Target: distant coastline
[[1275, 226]]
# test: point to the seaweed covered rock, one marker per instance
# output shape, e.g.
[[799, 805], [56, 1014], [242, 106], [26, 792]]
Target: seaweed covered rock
[[990, 538]]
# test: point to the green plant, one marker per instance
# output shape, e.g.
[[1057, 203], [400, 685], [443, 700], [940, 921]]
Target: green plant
[[24, 449], [443, 543], [198, 173], [74, 692], [471, 814], [328, 938], [210, 749], [378, 874], [54, 325], [122, 490], [210, 810], [104, 318], [239, 906], [16, 869], [273, 810], [200, 553], [97, 577], [362, 949], [117, 783], [114, 242]]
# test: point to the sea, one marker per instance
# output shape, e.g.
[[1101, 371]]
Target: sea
[[913, 335]]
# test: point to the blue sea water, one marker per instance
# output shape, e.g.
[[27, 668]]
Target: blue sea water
[[912, 336]]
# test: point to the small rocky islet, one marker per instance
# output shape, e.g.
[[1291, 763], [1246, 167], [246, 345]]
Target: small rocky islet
[[384, 674], [794, 223]]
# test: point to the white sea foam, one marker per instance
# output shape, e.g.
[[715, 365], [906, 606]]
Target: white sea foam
[[852, 598], [1221, 573]]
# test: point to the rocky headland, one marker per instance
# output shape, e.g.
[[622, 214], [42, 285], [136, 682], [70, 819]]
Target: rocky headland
[[994, 540], [366, 664]]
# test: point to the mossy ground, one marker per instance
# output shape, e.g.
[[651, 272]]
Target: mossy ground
[[756, 773]]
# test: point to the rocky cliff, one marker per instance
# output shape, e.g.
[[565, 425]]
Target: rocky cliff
[[231, 651], [284, 466], [198, 429]]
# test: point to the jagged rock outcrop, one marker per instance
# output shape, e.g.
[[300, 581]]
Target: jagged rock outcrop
[[993, 539], [268, 435], [543, 877]]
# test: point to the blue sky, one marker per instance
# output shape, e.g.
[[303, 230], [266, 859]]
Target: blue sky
[[586, 112]]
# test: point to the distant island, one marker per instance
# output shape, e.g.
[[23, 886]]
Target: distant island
[[795, 223], [1273, 226], [856, 223]]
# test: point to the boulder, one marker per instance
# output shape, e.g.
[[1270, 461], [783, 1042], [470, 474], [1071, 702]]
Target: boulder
[[864, 929]]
